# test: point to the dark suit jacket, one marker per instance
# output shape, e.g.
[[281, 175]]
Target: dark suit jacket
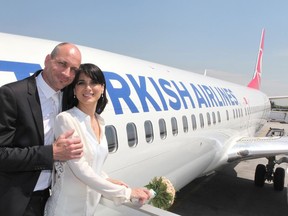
[[22, 152]]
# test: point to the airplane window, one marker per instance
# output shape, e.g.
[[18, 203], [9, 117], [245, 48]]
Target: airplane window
[[194, 123], [208, 118], [218, 116], [213, 118], [148, 131], [111, 136], [132, 134], [174, 126], [185, 124], [227, 115], [162, 128], [201, 120]]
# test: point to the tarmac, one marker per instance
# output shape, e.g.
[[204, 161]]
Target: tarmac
[[230, 191]]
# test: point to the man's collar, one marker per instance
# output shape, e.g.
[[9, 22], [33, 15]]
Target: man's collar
[[45, 88]]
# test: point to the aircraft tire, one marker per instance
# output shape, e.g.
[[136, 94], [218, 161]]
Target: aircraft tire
[[259, 178], [278, 179]]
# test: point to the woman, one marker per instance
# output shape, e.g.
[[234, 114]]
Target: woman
[[79, 183]]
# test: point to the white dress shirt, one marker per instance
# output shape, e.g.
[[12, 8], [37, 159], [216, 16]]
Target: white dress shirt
[[50, 101], [79, 183]]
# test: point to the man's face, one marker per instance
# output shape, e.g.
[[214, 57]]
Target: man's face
[[61, 69]]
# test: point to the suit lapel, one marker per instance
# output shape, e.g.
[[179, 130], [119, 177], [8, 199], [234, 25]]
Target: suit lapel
[[34, 102]]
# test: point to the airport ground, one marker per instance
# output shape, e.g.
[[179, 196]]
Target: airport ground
[[230, 191]]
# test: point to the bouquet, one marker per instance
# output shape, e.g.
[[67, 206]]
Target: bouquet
[[164, 192]]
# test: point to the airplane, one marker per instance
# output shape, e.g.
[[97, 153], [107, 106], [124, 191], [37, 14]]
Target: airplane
[[164, 121]]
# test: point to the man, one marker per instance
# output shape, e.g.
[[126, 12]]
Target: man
[[27, 146]]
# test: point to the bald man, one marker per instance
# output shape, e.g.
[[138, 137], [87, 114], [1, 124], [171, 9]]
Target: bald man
[[27, 144]]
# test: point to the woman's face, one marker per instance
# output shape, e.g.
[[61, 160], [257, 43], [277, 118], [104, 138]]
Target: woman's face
[[87, 91]]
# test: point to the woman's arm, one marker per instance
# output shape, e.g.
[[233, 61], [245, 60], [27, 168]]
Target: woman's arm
[[81, 168]]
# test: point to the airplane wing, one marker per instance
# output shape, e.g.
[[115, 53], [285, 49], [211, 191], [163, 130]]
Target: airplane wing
[[258, 147]]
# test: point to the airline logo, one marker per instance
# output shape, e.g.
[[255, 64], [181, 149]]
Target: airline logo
[[21, 70], [256, 81], [153, 94], [164, 94]]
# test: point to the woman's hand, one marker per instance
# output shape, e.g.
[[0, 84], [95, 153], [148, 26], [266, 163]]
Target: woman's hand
[[118, 182], [142, 195]]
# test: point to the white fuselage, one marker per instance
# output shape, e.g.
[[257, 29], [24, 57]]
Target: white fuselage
[[144, 96]]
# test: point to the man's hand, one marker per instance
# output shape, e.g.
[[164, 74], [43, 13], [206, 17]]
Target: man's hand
[[67, 147]]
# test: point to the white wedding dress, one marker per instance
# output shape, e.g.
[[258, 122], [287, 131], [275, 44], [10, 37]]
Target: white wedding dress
[[78, 184]]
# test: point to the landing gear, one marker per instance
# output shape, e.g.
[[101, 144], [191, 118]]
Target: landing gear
[[279, 177], [263, 173], [260, 173]]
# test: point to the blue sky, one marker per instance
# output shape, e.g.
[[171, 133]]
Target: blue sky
[[221, 36]]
